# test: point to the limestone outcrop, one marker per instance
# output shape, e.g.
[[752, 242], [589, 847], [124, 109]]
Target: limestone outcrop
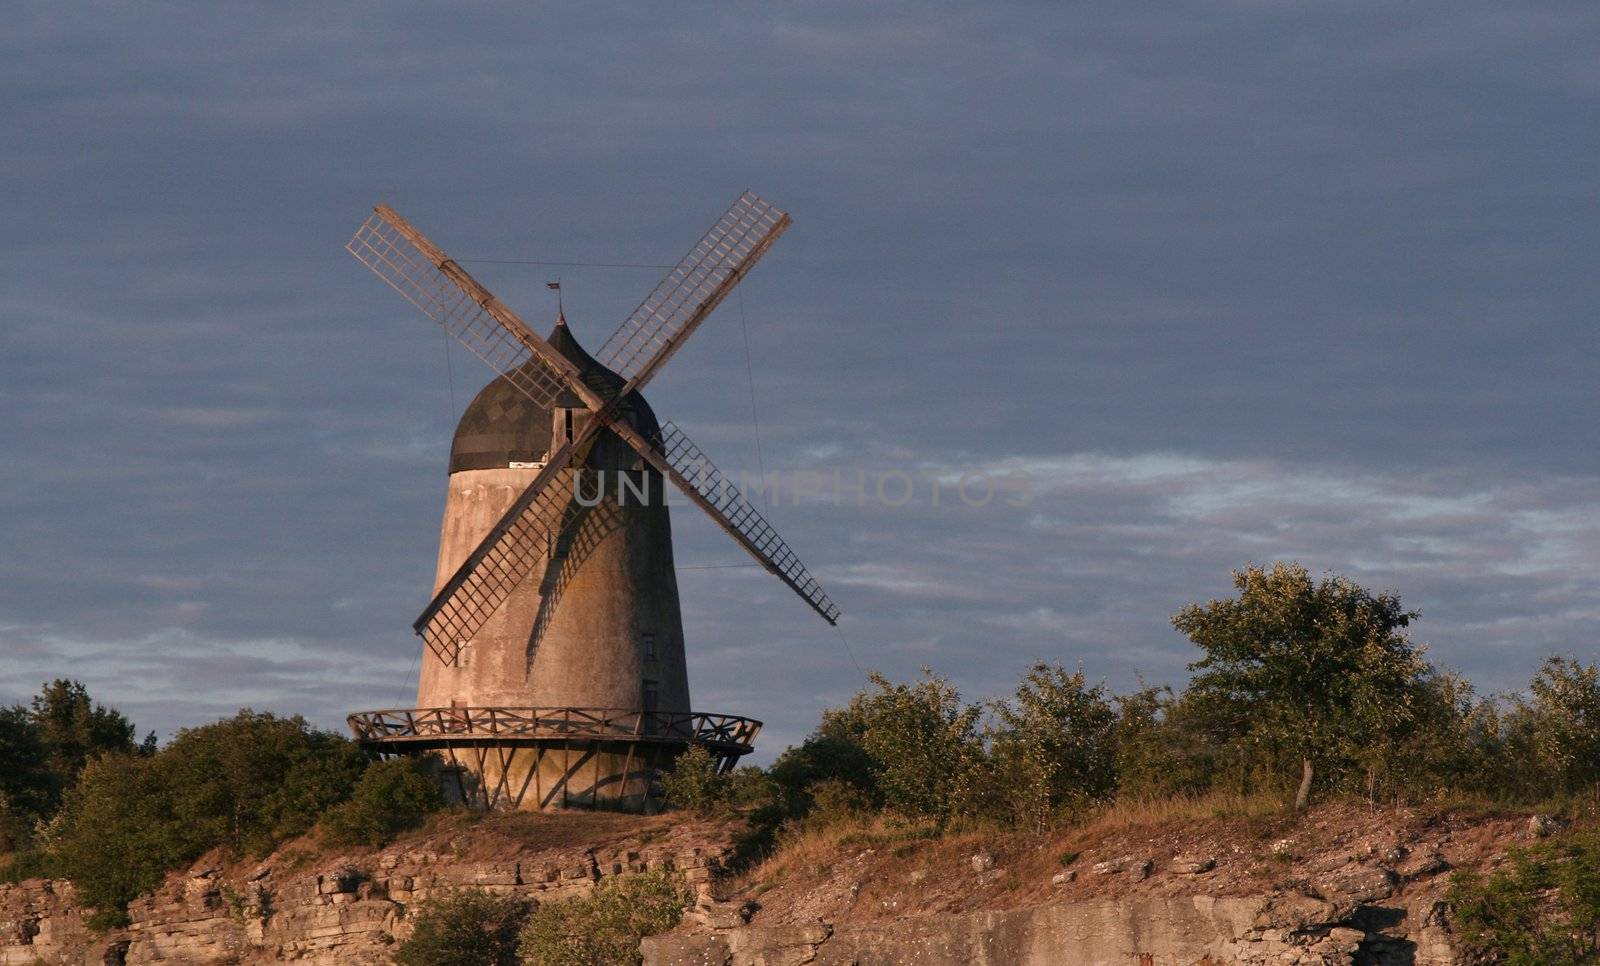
[[1344, 885], [302, 907]]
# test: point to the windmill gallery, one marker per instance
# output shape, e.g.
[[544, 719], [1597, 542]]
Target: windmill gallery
[[554, 672]]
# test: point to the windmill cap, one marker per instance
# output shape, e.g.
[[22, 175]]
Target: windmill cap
[[502, 426]]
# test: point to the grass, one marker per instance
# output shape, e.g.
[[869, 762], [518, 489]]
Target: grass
[[1135, 812], [809, 848]]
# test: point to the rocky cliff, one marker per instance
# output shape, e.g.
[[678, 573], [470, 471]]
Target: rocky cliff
[[1345, 885], [307, 906]]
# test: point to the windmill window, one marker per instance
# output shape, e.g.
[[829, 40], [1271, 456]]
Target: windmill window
[[652, 696], [649, 646]]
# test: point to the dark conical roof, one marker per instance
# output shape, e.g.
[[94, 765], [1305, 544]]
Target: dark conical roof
[[502, 425]]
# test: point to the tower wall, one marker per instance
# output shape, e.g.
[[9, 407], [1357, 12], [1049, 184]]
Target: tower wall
[[610, 584]]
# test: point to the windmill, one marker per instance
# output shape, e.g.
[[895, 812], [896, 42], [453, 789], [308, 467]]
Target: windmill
[[553, 670]]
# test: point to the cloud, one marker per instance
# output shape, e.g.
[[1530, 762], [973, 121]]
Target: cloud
[[1227, 282]]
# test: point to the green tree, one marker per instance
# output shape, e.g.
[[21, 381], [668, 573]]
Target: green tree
[[1053, 745], [1313, 670], [117, 834], [253, 780], [75, 728], [28, 787], [1564, 724], [831, 755], [391, 796], [44, 746], [245, 783], [922, 743]]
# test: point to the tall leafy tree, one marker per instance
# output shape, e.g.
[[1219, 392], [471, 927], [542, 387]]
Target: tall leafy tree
[[1315, 670], [1054, 744], [26, 784], [75, 728]]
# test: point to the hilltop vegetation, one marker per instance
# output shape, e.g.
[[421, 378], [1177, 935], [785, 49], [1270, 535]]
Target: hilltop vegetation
[[1304, 689], [245, 784]]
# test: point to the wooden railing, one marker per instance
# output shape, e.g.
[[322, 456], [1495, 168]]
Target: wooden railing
[[722, 732]]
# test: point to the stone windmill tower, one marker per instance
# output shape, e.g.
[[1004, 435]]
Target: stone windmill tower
[[554, 672]]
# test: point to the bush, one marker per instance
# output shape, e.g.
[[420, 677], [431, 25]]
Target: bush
[[467, 928], [604, 927], [1054, 749], [391, 796], [834, 802], [911, 748], [697, 784], [245, 783], [1542, 907], [253, 780]]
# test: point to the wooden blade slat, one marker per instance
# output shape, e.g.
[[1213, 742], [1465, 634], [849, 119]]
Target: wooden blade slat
[[518, 544], [428, 278], [680, 460], [688, 293]]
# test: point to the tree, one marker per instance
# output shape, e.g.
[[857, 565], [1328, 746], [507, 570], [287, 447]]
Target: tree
[[255, 779], [1566, 722], [76, 729], [43, 748], [27, 785], [246, 783], [391, 796], [1053, 744], [920, 741], [1316, 670]]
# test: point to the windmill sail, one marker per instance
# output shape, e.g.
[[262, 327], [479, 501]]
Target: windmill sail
[[688, 293], [416, 268], [520, 542], [523, 538], [677, 457]]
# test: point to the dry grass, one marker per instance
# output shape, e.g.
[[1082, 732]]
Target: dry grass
[[810, 846], [1134, 812]]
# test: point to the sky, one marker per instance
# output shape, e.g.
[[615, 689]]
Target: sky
[[1189, 285]]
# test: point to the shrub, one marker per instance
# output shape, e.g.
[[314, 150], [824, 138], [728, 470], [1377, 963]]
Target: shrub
[[911, 748], [391, 797], [246, 783], [466, 928], [253, 780], [697, 784], [604, 927], [834, 802], [1054, 748], [1542, 907]]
